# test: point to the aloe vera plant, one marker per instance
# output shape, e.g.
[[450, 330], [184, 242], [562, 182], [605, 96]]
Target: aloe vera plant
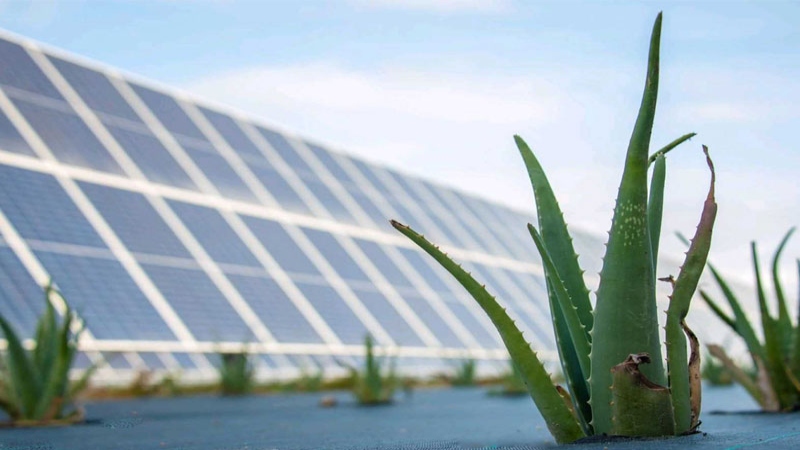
[[465, 374], [601, 348], [775, 382], [373, 385], [235, 373], [35, 388]]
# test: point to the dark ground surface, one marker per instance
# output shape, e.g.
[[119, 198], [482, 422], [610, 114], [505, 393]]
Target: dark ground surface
[[441, 419]]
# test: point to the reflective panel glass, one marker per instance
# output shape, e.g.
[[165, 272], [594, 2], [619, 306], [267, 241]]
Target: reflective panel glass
[[275, 309], [339, 317], [21, 299], [11, 140], [40, 209], [336, 255], [68, 138], [95, 89], [106, 297], [18, 70], [218, 239], [168, 112], [152, 157], [134, 221], [198, 302], [221, 174], [281, 246]]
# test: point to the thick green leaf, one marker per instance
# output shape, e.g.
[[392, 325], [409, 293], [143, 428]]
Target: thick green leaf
[[571, 335], [774, 361], [795, 358], [784, 321], [682, 293], [20, 370], [722, 315], [639, 407], [561, 422], [556, 236], [55, 381], [46, 338], [655, 207], [742, 324], [664, 150], [626, 309]]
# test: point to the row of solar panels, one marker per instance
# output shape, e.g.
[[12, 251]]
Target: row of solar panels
[[166, 221]]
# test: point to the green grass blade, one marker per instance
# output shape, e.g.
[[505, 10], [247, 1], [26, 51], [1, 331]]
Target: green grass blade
[[572, 340], [21, 380], [556, 236], [682, 293], [664, 150], [626, 308], [784, 321], [561, 422], [655, 207]]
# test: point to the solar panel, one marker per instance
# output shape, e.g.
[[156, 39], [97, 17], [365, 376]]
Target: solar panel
[[197, 228]]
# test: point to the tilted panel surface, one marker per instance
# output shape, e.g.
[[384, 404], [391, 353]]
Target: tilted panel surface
[[116, 201]]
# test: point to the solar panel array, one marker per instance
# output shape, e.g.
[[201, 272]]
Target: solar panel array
[[177, 230]]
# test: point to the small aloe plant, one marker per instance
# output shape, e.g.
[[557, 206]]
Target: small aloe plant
[[35, 388], [775, 382], [235, 373], [372, 386], [465, 374], [601, 348]]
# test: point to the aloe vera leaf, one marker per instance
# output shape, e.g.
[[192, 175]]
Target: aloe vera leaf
[[774, 362], [46, 338], [717, 310], [682, 293], [22, 382], [664, 150], [639, 406], [55, 382], [571, 337], [556, 236], [784, 321], [655, 207], [737, 373], [695, 377], [743, 327], [795, 357], [563, 425], [626, 312]]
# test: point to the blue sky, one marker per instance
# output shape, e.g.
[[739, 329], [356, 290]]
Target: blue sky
[[438, 88]]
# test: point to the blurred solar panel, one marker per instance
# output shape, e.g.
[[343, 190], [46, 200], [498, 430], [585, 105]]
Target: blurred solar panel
[[288, 276]]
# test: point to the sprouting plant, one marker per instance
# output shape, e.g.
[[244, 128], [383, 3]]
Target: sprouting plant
[[34, 384], [235, 373], [465, 374], [372, 386], [601, 348], [776, 359]]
